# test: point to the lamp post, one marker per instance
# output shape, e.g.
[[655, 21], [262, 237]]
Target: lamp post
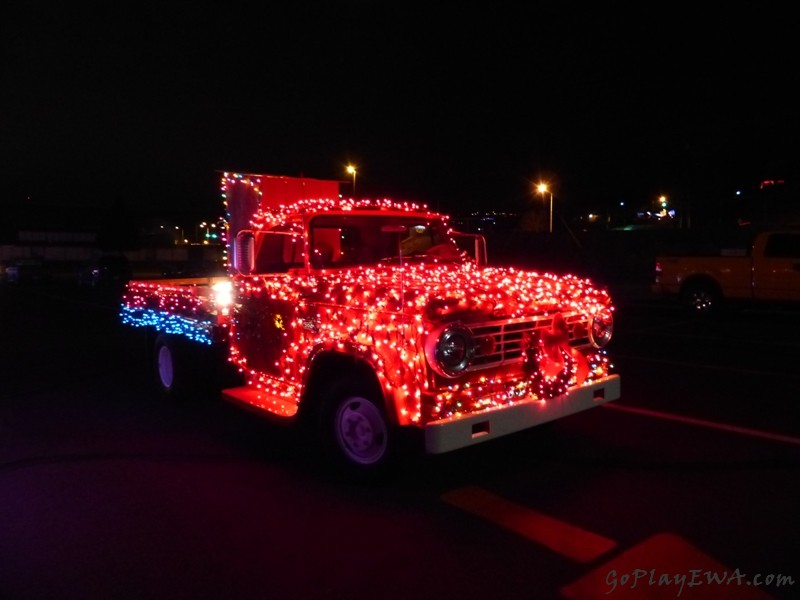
[[542, 189], [352, 171]]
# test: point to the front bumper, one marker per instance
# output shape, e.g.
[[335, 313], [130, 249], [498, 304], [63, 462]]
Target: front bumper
[[467, 430]]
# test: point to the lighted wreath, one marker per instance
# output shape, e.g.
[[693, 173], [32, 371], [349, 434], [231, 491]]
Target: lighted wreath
[[552, 364]]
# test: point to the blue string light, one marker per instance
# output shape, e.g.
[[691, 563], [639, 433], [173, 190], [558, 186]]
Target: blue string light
[[195, 330]]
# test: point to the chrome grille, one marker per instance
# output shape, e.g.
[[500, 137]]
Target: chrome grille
[[501, 342]]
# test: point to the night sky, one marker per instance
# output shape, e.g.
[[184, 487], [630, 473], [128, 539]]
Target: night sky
[[462, 108]]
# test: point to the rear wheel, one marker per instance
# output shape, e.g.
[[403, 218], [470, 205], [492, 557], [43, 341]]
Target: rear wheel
[[702, 298], [169, 366], [187, 370]]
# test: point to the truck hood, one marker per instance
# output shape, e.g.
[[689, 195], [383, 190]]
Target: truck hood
[[449, 291]]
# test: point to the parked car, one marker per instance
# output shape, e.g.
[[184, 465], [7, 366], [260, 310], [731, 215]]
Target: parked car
[[765, 269], [108, 270], [27, 270]]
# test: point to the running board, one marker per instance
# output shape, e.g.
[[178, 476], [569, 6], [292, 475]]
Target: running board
[[261, 400]]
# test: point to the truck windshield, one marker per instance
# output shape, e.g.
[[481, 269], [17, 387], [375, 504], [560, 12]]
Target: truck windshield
[[343, 241]]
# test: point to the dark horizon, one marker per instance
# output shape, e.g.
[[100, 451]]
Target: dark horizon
[[462, 111]]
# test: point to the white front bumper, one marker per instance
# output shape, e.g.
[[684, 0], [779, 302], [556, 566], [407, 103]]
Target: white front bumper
[[467, 430]]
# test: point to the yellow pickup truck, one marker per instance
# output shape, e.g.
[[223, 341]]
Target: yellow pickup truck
[[766, 269]]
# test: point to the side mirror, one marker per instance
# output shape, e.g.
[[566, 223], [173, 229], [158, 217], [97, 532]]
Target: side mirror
[[474, 244], [244, 252]]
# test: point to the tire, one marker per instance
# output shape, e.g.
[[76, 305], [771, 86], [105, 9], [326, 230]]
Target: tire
[[186, 370], [170, 371], [357, 436], [702, 298]]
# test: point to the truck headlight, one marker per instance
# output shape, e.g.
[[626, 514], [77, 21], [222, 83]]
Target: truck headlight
[[450, 352], [601, 328]]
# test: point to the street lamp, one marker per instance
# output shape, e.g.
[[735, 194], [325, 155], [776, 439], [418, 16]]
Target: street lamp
[[542, 189], [352, 171]]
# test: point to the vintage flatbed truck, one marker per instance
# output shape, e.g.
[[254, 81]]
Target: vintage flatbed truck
[[362, 320]]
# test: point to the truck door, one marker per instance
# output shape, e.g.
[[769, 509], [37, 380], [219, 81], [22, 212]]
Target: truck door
[[776, 269], [263, 331], [267, 304]]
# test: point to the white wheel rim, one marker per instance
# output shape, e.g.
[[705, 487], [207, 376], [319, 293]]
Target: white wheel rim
[[361, 431], [702, 300], [166, 372]]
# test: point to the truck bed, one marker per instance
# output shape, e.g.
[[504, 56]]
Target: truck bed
[[194, 307], [731, 273]]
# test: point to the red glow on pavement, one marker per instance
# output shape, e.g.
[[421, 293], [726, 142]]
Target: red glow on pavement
[[568, 540], [663, 567]]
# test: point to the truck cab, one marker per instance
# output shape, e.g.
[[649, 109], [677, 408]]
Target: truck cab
[[347, 239], [776, 266]]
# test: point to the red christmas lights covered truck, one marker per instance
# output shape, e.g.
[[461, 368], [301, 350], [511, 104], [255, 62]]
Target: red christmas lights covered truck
[[367, 319]]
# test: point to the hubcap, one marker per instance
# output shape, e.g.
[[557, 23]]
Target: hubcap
[[702, 301], [166, 373], [361, 431]]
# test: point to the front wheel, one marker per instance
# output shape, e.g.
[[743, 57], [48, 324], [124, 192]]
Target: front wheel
[[356, 431]]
